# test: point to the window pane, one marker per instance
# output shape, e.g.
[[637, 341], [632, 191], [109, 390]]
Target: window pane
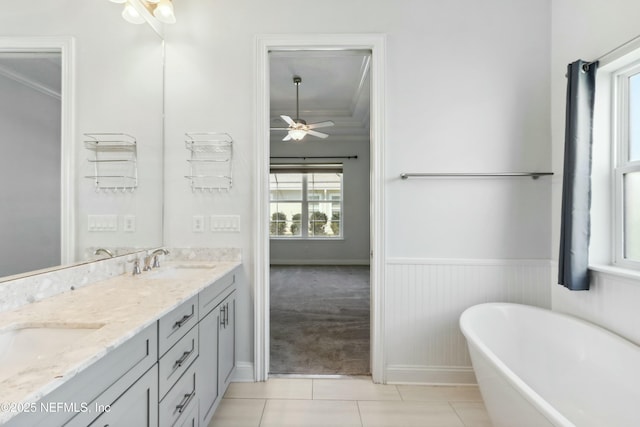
[[632, 216], [319, 215], [336, 224], [284, 219], [634, 117], [322, 185], [285, 186]]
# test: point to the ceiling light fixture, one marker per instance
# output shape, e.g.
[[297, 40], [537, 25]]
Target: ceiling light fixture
[[163, 12], [299, 128], [131, 14]]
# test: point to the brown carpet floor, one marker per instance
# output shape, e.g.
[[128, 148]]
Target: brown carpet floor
[[320, 320]]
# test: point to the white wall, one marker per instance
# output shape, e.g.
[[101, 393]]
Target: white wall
[[30, 171], [467, 90], [118, 89], [586, 30], [353, 247]]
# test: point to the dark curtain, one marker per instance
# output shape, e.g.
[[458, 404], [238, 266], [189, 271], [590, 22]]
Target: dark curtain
[[576, 185]]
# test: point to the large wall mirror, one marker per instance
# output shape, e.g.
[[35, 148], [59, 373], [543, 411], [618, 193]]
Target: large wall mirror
[[69, 69]]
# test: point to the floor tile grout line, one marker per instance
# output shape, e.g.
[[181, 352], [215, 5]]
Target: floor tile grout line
[[264, 408], [456, 412], [399, 393], [359, 413]]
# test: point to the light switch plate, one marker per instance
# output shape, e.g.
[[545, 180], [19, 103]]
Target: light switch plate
[[225, 223], [102, 223]]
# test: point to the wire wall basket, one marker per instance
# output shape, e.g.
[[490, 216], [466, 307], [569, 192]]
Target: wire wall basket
[[210, 161], [114, 161]]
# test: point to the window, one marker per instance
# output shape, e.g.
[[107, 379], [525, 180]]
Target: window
[[627, 167], [305, 201]]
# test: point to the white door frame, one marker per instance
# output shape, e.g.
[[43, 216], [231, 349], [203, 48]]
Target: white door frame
[[265, 43], [66, 47]]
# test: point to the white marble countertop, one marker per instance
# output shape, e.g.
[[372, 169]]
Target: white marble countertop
[[124, 305]]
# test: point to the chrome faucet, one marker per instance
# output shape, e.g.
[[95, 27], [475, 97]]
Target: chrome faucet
[[136, 267], [155, 254], [147, 263], [103, 251]]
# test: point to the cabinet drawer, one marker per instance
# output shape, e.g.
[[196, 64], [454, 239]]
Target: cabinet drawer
[[136, 407], [179, 401], [172, 326], [177, 360], [212, 295], [190, 418]]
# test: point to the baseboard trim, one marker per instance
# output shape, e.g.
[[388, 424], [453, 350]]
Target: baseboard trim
[[430, 375], [244, 373], [319, 261]]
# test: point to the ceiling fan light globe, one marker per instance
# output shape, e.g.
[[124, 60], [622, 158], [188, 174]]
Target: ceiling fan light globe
[[164, 12], [297, 134], [131, 15]]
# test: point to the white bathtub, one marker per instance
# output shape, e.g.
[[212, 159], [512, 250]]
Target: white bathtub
[[536, 367]]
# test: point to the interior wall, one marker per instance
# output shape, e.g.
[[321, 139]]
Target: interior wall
[[467, 90], [353, 247], [118, 88], [586, 30], [30, 170]]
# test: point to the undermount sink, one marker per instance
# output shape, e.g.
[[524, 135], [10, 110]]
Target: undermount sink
[[179, 271], [22, 345]]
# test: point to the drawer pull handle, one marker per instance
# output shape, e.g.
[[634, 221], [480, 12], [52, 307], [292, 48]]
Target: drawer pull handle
[[184, 357], [184, 320], [185, 401], [223, 317]]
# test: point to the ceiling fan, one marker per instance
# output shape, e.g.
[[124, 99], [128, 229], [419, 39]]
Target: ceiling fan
[[299, 128]]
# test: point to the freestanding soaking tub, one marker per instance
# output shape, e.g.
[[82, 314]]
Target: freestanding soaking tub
[[538, 368]]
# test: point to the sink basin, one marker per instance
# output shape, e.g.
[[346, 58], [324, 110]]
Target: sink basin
[[22, 345], [179, 271]]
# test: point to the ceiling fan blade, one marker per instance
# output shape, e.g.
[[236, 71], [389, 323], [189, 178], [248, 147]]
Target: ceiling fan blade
[[287, 137], [289, 120], [320, 124], [316, 133], [279, 128]]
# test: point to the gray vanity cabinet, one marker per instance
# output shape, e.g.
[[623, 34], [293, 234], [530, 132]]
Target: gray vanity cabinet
[[136, 407], [208, 364], [171, 374], [104, 386], [226, 341], [216, 362]]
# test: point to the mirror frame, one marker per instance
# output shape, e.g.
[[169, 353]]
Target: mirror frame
[[66, 47]]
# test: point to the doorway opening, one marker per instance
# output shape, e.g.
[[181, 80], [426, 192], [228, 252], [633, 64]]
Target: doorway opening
[[323, 219], [35, 118], [319, 212]]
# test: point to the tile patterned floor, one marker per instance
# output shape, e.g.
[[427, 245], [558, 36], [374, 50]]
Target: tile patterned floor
[[284, 402]]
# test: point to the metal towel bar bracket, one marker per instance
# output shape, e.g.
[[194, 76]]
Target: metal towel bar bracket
[[534, 175]]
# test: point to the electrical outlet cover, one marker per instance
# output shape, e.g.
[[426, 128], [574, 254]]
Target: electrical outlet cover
[[198, 224]]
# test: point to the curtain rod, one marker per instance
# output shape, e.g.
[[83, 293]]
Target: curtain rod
[[603, 57], [313, 157], [534, 175]]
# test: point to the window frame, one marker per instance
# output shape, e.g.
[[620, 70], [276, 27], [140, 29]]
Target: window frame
[[621, 163], [306, 169]]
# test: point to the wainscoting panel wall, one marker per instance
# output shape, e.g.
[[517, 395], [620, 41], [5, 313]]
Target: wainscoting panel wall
[[611, 301], [423, 302]]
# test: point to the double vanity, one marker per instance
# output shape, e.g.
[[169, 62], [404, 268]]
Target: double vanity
[[152, 349]]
